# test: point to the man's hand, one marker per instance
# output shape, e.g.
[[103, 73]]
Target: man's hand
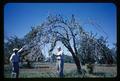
[[23, 48]]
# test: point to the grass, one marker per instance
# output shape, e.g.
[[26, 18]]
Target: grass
[[70, 72]]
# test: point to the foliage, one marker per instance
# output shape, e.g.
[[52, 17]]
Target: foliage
[[92, 50], [68, 59]]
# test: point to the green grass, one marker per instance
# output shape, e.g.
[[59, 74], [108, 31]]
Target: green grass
[[68, 73]]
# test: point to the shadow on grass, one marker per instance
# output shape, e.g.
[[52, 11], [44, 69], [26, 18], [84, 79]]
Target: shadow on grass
[[102, 74]]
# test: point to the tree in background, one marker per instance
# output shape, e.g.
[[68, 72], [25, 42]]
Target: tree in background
[[106, 55], [114, 53], [94, 50]]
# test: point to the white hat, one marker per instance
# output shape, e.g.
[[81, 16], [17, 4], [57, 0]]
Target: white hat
[[15, 49]]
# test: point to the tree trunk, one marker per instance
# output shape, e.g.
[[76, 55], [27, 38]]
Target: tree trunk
[[77, 62], [76, 59]]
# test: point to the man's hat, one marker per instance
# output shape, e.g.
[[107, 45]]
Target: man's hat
[[15, 49], [58, 47]]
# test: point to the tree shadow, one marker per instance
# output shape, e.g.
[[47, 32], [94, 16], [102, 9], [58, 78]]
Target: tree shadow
[[103, 74]]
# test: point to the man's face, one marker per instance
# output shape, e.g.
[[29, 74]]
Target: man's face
[[15, 51], [59, 49]]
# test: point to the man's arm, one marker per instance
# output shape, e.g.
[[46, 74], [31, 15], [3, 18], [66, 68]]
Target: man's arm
[[57, 55], [25, 47], [11, 57], [20, 50]]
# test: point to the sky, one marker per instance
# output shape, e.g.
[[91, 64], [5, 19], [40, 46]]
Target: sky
[[20, 17]]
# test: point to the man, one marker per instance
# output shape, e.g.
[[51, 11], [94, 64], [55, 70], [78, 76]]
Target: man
[[60, 61], [15, 59]]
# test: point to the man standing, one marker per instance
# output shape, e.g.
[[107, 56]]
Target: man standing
[[60, 61], [15, 59]]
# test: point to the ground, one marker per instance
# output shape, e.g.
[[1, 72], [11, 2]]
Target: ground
[[47, 70]]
